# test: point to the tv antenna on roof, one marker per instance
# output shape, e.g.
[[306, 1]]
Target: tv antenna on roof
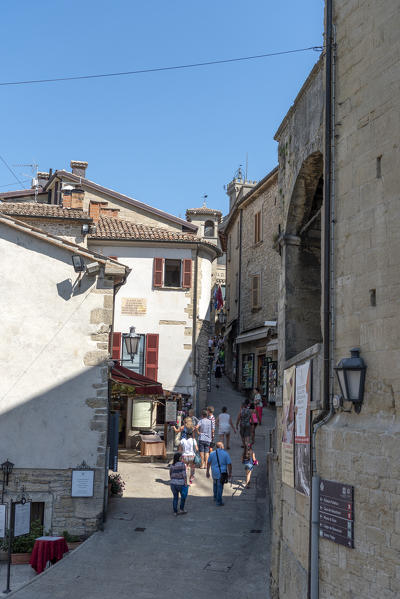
[[34, 175]]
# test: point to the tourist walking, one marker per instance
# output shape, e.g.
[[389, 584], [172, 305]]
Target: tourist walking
[[218, 372], [224, 423], [243, 421], [204, 429], [221, 467], [258, 402], [248, 461], [188, 448], [253, 422], [179, 486]]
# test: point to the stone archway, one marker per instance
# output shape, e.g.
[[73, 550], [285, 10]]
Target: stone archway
[[302, 259]]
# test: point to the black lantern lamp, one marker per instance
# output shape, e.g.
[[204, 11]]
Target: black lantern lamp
[[132, 342], [351, 376], [7, 468], [221, 318], [78, 263]]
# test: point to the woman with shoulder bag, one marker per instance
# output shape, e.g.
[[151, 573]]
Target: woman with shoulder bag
[[179, 486], [189, 448]]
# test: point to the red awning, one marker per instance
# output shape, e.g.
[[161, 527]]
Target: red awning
[[143, 385]]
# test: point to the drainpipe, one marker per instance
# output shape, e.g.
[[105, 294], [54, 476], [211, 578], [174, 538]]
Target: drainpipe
[[239, 328], [194, 340], [328, 308]]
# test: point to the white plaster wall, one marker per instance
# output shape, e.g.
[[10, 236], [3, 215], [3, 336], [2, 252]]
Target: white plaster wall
[[174, 367], [204, 287], [44, 421]]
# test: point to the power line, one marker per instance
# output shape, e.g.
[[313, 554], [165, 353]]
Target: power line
[[11, 171], [157, 69], [11, 184]]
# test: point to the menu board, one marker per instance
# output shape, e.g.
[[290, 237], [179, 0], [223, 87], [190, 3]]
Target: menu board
[[170, 411], [336, 512], [247, 371], [82, 483], [22, 518]]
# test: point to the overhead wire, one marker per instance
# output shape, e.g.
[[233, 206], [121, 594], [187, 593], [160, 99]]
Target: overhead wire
[[158, 69], [11, 171]]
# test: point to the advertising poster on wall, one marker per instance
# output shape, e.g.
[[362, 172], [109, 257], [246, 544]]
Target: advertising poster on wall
[[302, 429], [248, 371], [288, 426]]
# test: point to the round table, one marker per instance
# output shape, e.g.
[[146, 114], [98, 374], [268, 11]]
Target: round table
[[47, 549]]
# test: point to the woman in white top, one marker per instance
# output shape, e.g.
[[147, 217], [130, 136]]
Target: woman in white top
[[224, 423], [188, 448]]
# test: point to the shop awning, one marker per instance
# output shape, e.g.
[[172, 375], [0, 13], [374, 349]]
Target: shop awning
[[259, 333], [143, 385]]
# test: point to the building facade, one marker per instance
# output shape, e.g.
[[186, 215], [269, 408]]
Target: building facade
[[338, 290]]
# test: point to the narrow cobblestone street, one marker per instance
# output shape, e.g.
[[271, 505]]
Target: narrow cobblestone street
[[208, 552]]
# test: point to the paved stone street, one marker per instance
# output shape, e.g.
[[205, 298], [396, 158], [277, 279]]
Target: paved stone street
[[208, 552]]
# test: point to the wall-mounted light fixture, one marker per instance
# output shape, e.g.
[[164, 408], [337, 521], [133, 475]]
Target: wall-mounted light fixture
[[132, 342], [221, 317], [78, 263], [351, 376]]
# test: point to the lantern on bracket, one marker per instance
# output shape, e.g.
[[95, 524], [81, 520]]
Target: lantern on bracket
[[351, 376]]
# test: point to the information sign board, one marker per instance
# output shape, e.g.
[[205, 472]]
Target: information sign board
[[2, 521], [336, 512], [82, 483], [22, 518]]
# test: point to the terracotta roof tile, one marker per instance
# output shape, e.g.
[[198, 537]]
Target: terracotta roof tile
[[114, 228], [34, 210], [203, 210]]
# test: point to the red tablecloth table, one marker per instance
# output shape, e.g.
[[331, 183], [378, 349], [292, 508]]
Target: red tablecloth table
[[47, 549]]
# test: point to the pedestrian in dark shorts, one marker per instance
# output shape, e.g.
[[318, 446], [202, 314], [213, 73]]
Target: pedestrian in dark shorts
[[243, 422], [204, 429]]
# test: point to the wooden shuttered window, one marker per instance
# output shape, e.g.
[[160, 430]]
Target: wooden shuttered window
[[152, 356], [116, 346], [187, 273], [257, 227], [158, 271]]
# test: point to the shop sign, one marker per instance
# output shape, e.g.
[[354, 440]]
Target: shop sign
[[336, 512], [289, 376]]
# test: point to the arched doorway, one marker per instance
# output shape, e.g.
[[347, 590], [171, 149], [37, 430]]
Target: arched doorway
[[302, 259]]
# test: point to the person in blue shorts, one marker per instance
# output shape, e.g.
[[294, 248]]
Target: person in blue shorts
[[221, 467]]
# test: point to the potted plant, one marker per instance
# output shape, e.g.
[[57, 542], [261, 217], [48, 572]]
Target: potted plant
[[73, 541], [117, 484], [22, 546]]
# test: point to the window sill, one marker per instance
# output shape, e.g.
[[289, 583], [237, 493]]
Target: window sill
[[173, 288]]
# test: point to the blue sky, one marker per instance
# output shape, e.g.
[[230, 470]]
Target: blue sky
[[163, 138]]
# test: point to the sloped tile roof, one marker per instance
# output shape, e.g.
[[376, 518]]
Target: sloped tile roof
[[203, 210], [115, 228], [34, 210]]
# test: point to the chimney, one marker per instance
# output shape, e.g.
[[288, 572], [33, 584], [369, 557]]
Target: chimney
[[43, 178], [77, 196], [66, 198], [78, 168], [109, 212], [94, 210]]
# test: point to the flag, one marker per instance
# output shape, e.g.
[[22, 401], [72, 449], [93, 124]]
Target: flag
[[218, 298]]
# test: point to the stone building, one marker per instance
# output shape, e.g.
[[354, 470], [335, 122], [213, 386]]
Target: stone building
[[53, 371], [248, 234], [338, 182], [207, 221]]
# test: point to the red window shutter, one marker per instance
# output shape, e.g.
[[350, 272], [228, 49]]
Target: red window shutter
[[152, 356], [116, 346], [158, 268], [187, 273]]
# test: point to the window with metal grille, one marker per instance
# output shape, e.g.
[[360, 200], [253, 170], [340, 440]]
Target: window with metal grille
[[257, 227]]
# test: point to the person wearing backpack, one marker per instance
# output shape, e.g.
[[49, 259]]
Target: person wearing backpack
[[243, 421], [221, 469]]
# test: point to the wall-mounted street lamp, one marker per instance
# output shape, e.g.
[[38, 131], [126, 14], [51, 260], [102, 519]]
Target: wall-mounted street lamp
[[351, 376], [132, 342], [78, 263]]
